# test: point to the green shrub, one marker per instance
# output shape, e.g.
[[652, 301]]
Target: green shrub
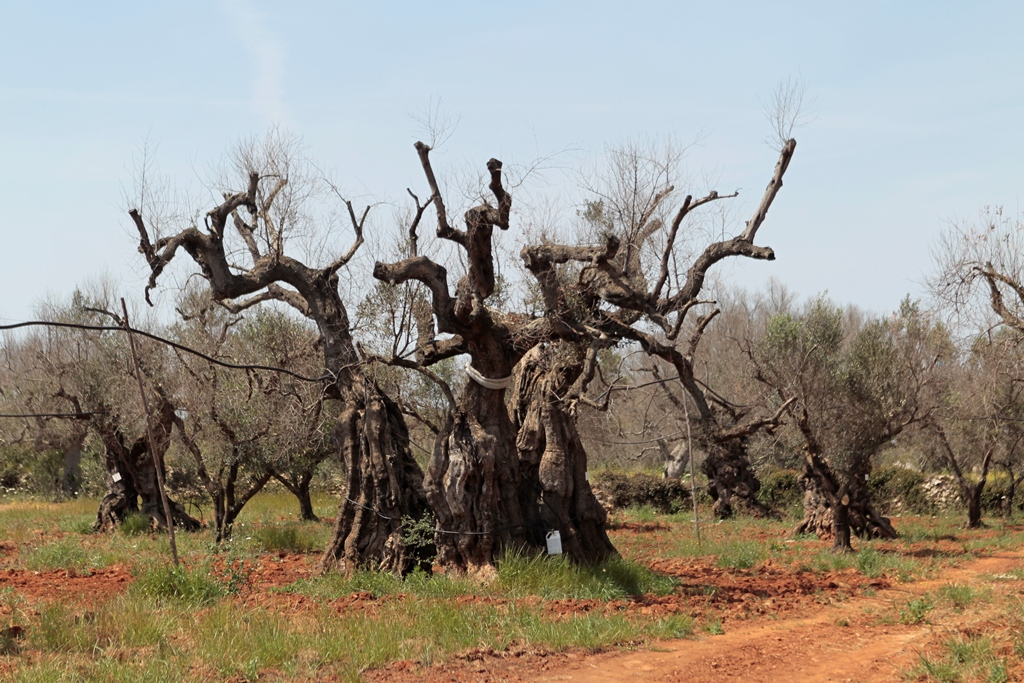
[[779, 488], [900, 489], [916, 610], [667, 496]]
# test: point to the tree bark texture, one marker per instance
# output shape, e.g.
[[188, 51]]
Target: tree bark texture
[[823, 497], [134, 464], [384, 480], [732, 484], [384, 488], [555, 488], [473, 480]]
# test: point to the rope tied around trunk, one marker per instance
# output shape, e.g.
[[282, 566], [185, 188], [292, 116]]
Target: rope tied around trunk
[[486, 383]]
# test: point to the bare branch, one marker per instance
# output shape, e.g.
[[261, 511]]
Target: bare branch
[[444, 230], [774, 185], [357, 226]]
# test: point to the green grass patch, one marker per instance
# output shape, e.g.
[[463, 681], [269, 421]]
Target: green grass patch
[[135, 524], [959, 596], [195, 586], [741, 554], [558, 578], [292, 537], [963, 659], [518, 576], [65, 554], [870, 562]]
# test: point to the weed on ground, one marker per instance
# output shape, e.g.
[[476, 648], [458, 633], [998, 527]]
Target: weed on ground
[[209, 619]]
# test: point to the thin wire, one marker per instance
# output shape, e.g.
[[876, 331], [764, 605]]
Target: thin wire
[[444, 531], [82, 415], [639, 443], [168, 342]]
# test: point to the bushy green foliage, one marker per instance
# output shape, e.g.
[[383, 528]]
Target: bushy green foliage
[[41, 473], [779, 488], [896, 488], [638, 489]]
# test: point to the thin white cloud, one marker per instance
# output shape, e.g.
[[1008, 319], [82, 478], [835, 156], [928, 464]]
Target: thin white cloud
[[267, 52]]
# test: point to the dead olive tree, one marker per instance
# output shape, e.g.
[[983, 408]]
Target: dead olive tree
[[634, 289], [241, 248], [979, 282]]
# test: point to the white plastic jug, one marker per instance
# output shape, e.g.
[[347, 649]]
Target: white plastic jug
[[554, 540]]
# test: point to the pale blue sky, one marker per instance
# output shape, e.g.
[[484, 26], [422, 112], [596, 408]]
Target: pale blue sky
[[918, 112]]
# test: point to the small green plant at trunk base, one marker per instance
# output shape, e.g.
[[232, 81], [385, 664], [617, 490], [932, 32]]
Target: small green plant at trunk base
[[915, 611], [715, 628]]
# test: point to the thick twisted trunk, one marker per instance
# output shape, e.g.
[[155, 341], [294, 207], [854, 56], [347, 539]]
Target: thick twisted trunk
[[555, 489], [732, 484], [132, 475], [839, 511], [121, 498], [473, 482], [384, 487]]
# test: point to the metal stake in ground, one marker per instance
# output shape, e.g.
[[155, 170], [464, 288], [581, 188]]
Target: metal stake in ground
[[157, 462]]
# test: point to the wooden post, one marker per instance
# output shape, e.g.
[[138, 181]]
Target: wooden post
[[157, 462], [693, 475]]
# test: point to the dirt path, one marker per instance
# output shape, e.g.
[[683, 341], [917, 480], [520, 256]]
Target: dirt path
[[811, 648], [857, 639]]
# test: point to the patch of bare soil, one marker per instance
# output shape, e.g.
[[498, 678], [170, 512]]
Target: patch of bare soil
[[817, 640], [88, 588]]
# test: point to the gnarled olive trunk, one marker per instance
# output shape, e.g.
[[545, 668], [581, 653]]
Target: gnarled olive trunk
[[732, 484], [384, 487], [473, 481], [299, 486], [132, 475], [384, 481], [839, 511], [555, 490]]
